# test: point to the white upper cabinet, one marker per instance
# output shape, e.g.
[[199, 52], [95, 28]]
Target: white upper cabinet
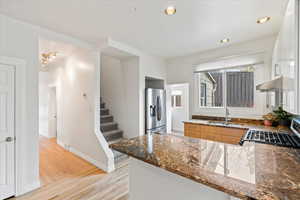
[[284, 56]]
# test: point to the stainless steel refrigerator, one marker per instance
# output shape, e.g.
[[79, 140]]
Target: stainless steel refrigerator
[[155, 111]]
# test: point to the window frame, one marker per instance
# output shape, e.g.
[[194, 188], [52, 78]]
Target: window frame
[[201, 97], [199, 93], [260, 99], [174, 101]]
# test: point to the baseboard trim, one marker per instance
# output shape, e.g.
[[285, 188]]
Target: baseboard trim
[[98, 164], [46, 135], [28, 188], [84, 156], [60, 143]]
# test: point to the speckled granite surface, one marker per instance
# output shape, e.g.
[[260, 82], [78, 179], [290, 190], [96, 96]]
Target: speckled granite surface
[[251, 171]]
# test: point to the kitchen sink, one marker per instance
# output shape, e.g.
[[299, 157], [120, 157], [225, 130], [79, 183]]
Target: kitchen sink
[[220, 123]]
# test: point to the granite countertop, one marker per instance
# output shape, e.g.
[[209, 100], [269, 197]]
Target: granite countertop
[[251, 171]]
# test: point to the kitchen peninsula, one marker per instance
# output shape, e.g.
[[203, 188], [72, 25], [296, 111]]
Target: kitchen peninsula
[[166, 167]]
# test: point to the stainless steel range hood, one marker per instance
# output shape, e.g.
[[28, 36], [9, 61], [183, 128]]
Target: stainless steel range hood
[[279, 84]]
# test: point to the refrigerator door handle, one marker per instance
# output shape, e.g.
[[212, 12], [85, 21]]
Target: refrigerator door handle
[[152, 110], [158, 104]]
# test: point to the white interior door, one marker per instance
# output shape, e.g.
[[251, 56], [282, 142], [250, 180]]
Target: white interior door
[[52, 113], [179, 106], [7, 135]]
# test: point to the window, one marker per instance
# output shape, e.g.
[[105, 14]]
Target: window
[[203, 93], [211, 89], [176, 97], [176, 100], [239, 88]]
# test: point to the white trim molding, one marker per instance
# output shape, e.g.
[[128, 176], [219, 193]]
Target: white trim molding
[[28, 188], [84, 156], [20, 125], [297, 64], [89, 159], [110, 166]]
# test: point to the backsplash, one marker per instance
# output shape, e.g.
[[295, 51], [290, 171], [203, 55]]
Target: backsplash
[[237, 120]]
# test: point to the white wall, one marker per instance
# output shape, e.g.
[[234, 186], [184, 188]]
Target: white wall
[[123, 88], [74, 79], [120, 92], [135, 69], [21, 40], [131, 85], [43, 103], [149, 66], [180, 69], [285, 55], [113, 89]]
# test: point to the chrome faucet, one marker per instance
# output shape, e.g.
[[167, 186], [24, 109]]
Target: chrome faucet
[[227, 113]]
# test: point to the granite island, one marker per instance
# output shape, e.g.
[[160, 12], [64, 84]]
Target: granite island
[[175, 167]]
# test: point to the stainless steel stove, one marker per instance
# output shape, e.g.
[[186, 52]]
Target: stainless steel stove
[[275, 138]]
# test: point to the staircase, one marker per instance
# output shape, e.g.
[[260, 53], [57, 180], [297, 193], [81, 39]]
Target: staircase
[[110, 130]]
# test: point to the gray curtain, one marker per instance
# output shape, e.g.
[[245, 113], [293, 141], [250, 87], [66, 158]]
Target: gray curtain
[[240, 89]]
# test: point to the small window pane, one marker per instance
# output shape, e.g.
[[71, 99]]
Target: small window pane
[[203, 93], [211, 89], [172, 101], [240, 89], [176, 101]]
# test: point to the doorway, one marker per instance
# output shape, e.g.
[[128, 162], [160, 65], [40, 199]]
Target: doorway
[[178, 106], [65, 87], [52, 113], [7, 131]]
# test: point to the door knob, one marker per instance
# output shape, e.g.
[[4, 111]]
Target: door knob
[[9, 139]]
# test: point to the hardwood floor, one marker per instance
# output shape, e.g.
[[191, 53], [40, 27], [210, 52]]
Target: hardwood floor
[[67, 177], [56, 163]]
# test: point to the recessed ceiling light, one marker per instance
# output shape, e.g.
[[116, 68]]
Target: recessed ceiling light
[[263, 20], [225, 40], [170, 10]]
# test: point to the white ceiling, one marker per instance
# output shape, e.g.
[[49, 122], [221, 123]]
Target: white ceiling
[[197, 26], [63, 49]]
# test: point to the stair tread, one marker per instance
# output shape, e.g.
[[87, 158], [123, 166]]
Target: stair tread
[[105, 116], [104, 111], [108, 127], [108, 123], [112, 136], [112, 131]]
